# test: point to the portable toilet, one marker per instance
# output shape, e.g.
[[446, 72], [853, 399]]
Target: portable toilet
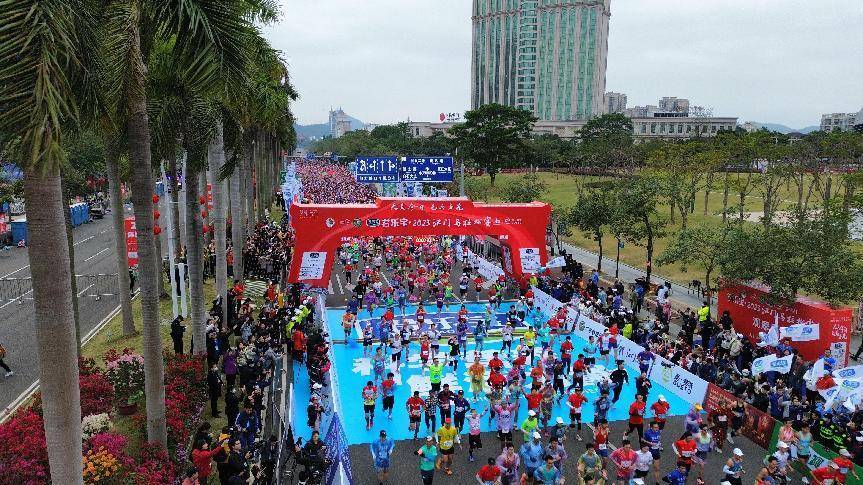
[[19, 231]]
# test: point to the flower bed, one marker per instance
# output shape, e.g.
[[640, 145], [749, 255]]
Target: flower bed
[[107, 457]]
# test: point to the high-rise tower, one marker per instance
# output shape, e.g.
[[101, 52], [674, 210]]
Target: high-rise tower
[[546, 56]]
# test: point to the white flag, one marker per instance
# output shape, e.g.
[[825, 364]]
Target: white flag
[[781, 364], [558, 262], [816, 371], [801, 332], [762, 364]]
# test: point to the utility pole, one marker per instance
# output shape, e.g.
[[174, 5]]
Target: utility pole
[[461, 176]]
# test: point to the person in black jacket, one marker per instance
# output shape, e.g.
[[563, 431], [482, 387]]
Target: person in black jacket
[[232, 405], [214, 386], [177, 331], [236, 465]]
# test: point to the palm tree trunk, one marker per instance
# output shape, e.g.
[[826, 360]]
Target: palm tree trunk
[[175, 206], [217, 160], [249, 199], [119, 239], [195, 260], [55, 326], [142, 198], [203, 180], [67, 216], [237, 223]]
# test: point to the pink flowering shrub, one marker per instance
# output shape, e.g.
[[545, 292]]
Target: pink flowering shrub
[[125, 371]]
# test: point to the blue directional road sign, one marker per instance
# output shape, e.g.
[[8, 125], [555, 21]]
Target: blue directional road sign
[[377, 169], [426, 169]]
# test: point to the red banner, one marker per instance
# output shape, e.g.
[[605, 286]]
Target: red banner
[[321, 228], [4, 223], [758, 425], [131, 241], [752, 314]]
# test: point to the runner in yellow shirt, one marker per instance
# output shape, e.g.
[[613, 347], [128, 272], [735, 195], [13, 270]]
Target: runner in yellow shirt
[[446, 443]]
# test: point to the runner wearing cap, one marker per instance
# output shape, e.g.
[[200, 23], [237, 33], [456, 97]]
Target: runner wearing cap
[[428, 455], [529, 425], [733, 468], [382, 450], [846, 466], [446, 443], [825, 475], [531, 454]]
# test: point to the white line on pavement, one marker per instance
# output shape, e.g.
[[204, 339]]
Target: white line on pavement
[[17, 300], [93, 256], [17, 270], [85, 289], [83, 240], [339, 281], [24, 396]]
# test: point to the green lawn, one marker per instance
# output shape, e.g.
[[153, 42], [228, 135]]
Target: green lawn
[[561, 190]]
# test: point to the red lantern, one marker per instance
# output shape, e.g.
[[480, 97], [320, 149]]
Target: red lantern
[[203, 214], [206, 229], [156, 214], [202, 200], [157, 230], [155, 199]]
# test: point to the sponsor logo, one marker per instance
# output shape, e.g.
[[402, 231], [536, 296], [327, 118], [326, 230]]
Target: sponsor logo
[[330, 222], [358, 222], [373, 222], [779, 364], [847, 372]]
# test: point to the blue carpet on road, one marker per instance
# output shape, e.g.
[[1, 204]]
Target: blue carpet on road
[[353, 370]]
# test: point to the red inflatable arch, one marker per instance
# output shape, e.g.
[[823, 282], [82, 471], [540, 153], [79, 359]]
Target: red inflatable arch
[[322, 228]]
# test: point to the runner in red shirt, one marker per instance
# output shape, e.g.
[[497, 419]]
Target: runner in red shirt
[[574, 402], [496, 380], [600, 439], [534, 398], [415, 406], [624, 459], [636, 417], [489, 473], [826, 474], [843, 461], [495, 363], [660, 411], [685, 450]]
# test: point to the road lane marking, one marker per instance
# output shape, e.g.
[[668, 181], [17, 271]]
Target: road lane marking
[[84, 240], [93, 256], [17, 270], [341, 288]]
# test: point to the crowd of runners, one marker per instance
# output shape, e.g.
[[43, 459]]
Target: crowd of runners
[[534, 355]]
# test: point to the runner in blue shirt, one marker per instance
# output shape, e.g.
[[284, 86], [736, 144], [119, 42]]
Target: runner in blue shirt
[[590, 353], [531, 454], [645, 360], [676, 477], [653, 436], [548, 474], [382, 449]]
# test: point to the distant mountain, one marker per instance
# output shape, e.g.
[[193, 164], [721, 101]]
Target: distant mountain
[[779, 128]]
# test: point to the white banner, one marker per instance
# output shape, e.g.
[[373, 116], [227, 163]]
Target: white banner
[[558, 262], [544, 302], [853, 372], [681, 382], [782, 364], [312, 265], [530, 260], [801, 332], [489, 270]]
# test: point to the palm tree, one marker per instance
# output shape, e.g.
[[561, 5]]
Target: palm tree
[[43, 82], [197, 27], [113, 169], [217, 162]]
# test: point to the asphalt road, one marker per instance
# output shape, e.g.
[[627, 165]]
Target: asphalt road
[[94, 254], [406, 465]]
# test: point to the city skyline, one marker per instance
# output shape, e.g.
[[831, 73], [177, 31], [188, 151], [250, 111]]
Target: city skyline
[[779, 61]]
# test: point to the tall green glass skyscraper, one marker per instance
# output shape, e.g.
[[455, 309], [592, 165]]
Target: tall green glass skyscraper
[[546, 56]]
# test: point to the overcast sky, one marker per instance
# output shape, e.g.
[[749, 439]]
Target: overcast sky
[[782, 61]]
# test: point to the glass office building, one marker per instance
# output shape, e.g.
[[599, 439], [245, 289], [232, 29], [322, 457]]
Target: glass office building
[[546, 56]]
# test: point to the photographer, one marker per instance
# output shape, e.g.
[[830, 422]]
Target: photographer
[[313, 456], [236, 465]]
